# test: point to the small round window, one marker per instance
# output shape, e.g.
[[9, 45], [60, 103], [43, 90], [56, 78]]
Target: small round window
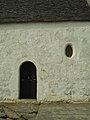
[[69, 50]]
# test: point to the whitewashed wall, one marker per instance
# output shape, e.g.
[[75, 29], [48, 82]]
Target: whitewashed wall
[[59, 77]]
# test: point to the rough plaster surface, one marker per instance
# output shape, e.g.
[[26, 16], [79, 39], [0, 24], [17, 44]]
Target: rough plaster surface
[[58, 77]]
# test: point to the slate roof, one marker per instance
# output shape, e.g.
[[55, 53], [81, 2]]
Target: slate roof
[[44, 10]]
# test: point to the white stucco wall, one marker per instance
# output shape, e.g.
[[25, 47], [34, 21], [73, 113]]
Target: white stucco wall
[[58, 77]]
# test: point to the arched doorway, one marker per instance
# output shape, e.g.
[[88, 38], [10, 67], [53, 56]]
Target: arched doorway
[[28, 81]]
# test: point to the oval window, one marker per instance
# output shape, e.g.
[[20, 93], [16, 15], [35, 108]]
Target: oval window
[[69, 50]]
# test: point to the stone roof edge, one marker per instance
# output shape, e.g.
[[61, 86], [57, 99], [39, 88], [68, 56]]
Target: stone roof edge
[[17, 11]]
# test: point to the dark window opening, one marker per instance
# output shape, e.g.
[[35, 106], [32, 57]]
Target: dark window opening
[[69, 50], [28, 81]]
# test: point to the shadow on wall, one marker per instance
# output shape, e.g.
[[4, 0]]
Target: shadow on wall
[[28, 81]]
